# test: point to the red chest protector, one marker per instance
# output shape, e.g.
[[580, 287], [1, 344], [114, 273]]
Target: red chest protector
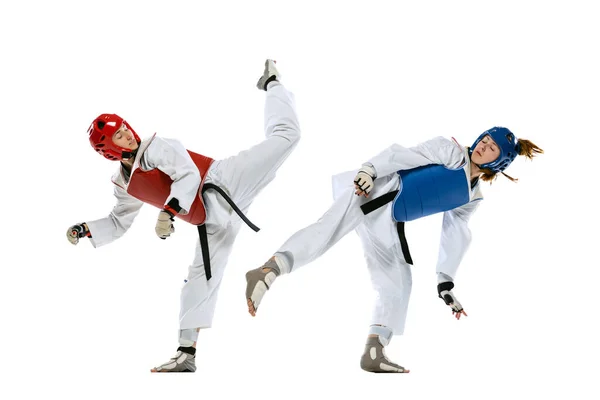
[[154, 186]]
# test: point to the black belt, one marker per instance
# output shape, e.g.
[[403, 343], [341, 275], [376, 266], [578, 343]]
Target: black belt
[[378, 202], [403, 243], [381, 201], [202, 228]]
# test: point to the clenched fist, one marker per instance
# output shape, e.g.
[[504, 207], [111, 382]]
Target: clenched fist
[[164, 224], [363, 182], [77, 231]]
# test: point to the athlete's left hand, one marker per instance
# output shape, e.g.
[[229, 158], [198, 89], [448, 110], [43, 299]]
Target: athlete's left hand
[[445, 293], [164, 224], [459, 313]]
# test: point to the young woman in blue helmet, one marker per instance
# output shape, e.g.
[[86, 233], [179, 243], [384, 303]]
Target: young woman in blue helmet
[[399, 185]]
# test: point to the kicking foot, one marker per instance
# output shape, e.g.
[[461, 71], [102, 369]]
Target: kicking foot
[[258, 281], [270, 74], [375, 360], [183, 361]]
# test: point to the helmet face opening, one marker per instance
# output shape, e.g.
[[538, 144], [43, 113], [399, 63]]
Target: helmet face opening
[[507, 144], [101, 132]]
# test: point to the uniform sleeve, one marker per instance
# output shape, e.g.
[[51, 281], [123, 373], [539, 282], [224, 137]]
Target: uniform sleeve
[[107, 229], [456, 237], [172, 158], [439, 150]]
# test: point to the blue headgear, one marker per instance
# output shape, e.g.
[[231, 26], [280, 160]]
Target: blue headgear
[[507, 144]]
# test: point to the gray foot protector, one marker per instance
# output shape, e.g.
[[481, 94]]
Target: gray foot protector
[[269, 75], [181, 362], [258, 282], [374, 359]]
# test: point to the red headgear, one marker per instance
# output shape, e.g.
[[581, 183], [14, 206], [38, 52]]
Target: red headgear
[[101, 132]]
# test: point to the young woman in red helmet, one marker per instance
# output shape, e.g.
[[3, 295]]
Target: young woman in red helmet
[[194, 188], [435, 176]]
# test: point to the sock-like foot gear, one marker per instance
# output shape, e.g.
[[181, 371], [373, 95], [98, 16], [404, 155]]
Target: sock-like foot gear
[[270, 74], [258, 281], [375, 360], [183, 361]]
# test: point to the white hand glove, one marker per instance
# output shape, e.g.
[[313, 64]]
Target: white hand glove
[[445, 293], [77, 231], [364, 180], [164, 224]]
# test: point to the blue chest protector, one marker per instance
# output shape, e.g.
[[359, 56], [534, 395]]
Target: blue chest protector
[[429, 189]]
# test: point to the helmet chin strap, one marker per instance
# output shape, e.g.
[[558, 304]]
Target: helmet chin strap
[[131, 154]]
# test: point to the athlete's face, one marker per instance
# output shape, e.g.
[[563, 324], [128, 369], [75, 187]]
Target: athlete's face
[[486, 151], [124, 138]]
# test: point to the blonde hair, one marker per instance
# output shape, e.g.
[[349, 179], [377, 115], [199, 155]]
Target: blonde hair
[[527, 149]]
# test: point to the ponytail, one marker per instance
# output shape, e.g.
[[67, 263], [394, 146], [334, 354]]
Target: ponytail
[[526, 148]]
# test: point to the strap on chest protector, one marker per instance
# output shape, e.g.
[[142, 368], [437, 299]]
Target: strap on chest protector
[[202, 228]]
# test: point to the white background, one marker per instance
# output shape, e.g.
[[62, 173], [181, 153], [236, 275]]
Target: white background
[[84, 323]]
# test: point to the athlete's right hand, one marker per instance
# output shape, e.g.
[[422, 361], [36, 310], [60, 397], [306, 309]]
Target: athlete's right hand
[[363, 182], [77, 231], [164, 224]]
